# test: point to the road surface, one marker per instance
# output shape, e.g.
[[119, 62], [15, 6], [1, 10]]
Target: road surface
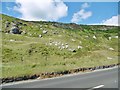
[[97, 79]]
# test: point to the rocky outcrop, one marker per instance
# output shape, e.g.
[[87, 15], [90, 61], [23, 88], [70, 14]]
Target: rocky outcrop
[[15, 30]]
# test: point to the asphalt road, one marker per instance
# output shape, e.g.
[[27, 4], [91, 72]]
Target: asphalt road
[[97, 79]]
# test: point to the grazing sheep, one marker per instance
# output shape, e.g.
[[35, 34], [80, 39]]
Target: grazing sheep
[[72, 50], [94, 37], [56, 44], [66, 46], [11, 40], [111, 49], [109, 58], [63, 47], [50, 44], [110, 38], [80, 47], [45, 32], [115, 36], [40, 36]]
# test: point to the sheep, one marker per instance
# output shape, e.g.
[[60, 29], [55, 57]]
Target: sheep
[[40, 36], [45, 32], [109, 58], [111, 49], [80, 47], [11, 40], [66, 46], [94, 37], [110, 38]]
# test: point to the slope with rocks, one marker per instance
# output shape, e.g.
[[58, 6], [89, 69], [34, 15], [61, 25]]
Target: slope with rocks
[[30, 47]]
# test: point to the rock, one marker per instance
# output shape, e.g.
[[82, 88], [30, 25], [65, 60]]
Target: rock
[[23, 32], [45, 32], [24, 24], [73, 40], [7, 24], [80, 42], [55, 32], [86, 36], [59, 35], [15, 30]]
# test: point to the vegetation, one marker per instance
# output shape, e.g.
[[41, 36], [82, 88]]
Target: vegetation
[[62, 47]]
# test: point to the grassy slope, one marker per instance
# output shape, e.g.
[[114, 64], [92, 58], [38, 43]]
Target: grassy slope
[[31, 54]]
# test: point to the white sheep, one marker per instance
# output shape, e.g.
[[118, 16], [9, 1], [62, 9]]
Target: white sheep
[[109, 58], [80, 47], [111, 49], [66, 46], [116, 37], [44, 32], [94, 37], [11, 40], [110, 38]]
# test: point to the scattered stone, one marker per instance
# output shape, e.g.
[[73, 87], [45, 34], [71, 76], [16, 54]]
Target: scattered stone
[[7, 24], [86, 36], [55, 32], [59, 35], [23, 32], [24, 24], [30, 34], [73, 40], [15, 30], [80, 42]]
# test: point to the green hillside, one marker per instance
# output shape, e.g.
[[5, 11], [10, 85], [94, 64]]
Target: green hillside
[[35, 47]]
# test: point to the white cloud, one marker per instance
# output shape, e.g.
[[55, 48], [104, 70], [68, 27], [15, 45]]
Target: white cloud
[[113, 21], [41, 9], [85, 5], [81, 15]]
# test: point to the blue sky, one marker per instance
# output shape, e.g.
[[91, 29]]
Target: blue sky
[[67, 12]]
